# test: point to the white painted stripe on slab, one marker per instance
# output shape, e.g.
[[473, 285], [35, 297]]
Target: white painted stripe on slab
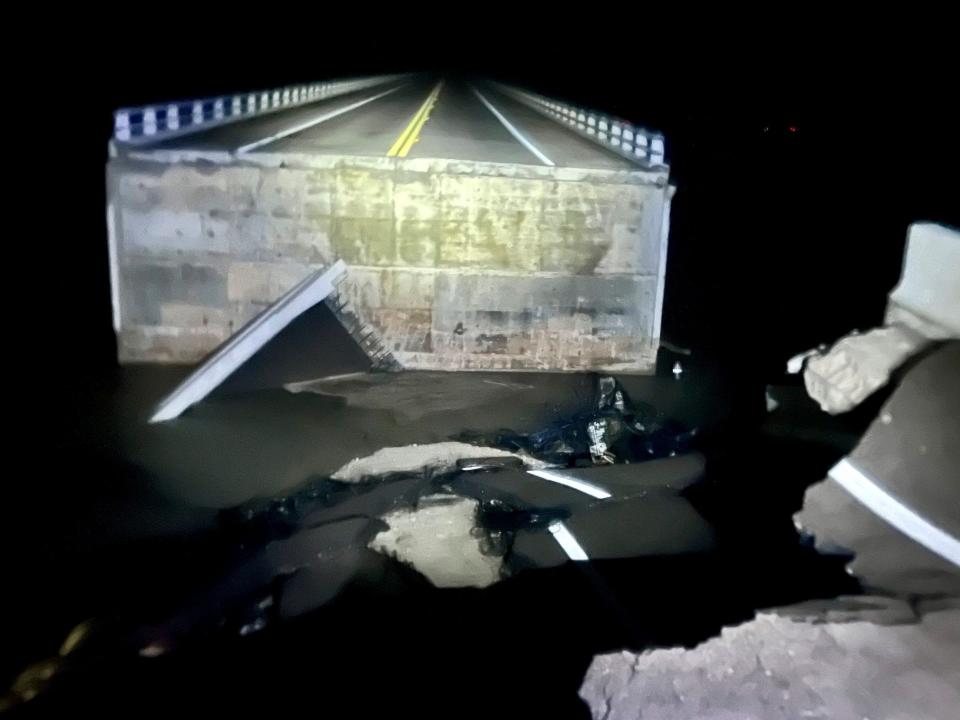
[[316, 121], [887, 507], [567, 541], [247, 341], [571, 482], [521, 138]]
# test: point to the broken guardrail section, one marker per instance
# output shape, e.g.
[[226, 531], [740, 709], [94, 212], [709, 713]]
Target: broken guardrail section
[[318, 287]]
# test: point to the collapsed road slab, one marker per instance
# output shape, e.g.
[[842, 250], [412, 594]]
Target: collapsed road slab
[[893, 500]]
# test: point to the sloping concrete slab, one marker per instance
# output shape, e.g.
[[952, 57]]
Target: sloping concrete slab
[[312, 290]]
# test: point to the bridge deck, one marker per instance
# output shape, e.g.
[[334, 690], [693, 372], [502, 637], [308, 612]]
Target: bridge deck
[[459, 127]]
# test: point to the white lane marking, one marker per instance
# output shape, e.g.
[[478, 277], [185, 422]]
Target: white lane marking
[[887, 507], [316, 121], [513, 131], [581, 485], [567, 541]]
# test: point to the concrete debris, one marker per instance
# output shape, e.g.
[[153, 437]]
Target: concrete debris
[[436, 457], [858, 365], [795, 364], [441, 539], [775, 668], [923, 307]]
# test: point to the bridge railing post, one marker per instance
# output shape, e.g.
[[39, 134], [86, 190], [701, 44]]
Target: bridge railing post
[[151, 123], [121, 125], [633, 142]]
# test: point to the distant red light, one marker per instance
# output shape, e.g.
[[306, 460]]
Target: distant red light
[[792, 128]]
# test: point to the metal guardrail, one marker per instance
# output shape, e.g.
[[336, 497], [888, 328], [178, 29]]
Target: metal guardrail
[[633, 142], [139, 125]]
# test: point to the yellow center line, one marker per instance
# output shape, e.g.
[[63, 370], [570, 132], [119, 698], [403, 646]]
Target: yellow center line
[[411, 133]]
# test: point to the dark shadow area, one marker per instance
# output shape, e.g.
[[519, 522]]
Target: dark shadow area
[[314, 345]]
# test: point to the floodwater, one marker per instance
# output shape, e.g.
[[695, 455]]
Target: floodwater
[[150, 537], [264, 443]]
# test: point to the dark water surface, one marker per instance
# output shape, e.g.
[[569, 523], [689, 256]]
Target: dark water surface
[[142, 536]]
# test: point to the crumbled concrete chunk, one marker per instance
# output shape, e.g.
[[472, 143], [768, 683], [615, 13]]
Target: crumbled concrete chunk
[[775, 668], [441, 540], [857, 366]]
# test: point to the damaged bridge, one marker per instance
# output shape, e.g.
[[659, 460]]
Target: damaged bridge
[[481, 226]]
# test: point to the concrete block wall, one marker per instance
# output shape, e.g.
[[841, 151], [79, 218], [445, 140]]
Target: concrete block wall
[[458, 265]]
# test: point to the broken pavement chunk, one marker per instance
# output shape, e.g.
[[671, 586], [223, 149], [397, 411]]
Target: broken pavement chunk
[[858, 365], [435, 457], [441, 540]]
